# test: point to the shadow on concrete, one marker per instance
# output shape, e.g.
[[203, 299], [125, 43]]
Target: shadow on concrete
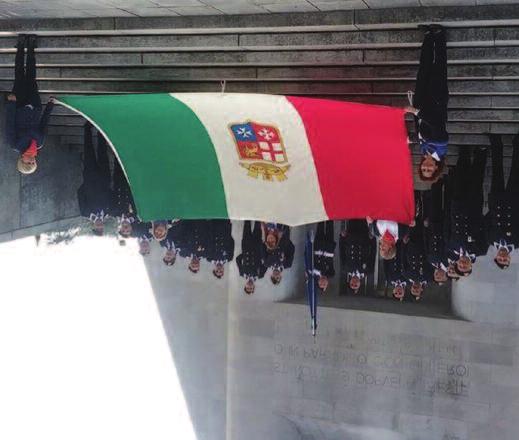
[[193, 309]]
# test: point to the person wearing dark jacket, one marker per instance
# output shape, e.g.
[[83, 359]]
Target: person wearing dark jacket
[[272, 234], [160, 228], [503, 204], [434, 223], [430, 102], [389, 233], [324, 251], [357, 250], [220, 247], [281, 257], [141, 230], [195, 241], [417, 269], [123, 206], [466, 232], [94, 194], [25, 124], [394, 271], [172, 244], [251, 261]]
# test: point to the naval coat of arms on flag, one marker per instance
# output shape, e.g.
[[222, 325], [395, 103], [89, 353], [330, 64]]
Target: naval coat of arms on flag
[[261, 150]]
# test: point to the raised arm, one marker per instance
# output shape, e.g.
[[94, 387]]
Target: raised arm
[[45, 116]]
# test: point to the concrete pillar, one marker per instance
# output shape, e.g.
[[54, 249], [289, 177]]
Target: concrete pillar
[[10, 183], [490, 295]]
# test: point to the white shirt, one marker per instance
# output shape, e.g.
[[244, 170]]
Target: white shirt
[[387, 225], [502, 244]]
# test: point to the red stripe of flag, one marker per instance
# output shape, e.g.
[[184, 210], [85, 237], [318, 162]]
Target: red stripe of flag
[[362, 158]]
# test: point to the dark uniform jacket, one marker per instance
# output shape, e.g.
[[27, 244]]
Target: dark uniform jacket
[[466, 232], [173, 240], [122, 203], [358, 248], [324, 251], [431, 126], [250, 265], [251, 261], [220, 246], [417, 268], [465, 227], [141, 231], [436, 250], [93, 196], [435, 243], [502, 219], [26, 123], [194, 238], [394, 269]]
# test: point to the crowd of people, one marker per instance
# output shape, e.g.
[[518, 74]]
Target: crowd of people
[[448, 234], [106, 193]]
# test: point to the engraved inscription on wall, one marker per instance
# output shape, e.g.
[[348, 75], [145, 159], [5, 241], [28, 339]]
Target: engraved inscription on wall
[[417, 374]]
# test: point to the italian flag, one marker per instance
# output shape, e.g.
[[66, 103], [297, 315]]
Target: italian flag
[[281, 159]]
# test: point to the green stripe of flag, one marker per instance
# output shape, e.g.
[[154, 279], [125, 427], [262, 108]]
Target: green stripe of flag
[[164, 149]]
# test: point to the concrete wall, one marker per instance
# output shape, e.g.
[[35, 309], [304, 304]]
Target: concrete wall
[[196, 313], [490, 295], [369, 376], [44, 200], [366, 376], [194, 316]]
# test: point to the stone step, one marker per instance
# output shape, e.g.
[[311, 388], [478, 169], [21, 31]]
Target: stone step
[[455, 102], [231, 45], [454, 128], [307, 87], [479, 115], [494, 14], [276, 56], [476, 54], [351, 73], [396, 40], [465, 37]]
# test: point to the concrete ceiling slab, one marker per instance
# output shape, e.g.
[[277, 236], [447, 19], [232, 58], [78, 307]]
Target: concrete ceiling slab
[[158, 8]]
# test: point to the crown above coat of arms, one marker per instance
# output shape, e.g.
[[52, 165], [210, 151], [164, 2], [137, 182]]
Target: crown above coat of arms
[[261, 150]]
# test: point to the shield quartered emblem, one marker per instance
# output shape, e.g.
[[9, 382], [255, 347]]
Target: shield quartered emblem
[[260, 150]]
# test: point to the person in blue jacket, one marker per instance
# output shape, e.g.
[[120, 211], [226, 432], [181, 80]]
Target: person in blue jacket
[[429, 104], [25, 123]]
